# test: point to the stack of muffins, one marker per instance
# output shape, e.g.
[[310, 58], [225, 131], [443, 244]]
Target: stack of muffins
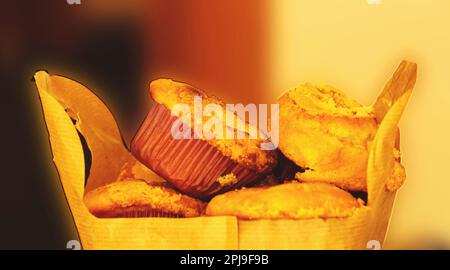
[[319, 166]]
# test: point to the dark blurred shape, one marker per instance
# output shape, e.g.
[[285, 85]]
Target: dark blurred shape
[[60, 38]]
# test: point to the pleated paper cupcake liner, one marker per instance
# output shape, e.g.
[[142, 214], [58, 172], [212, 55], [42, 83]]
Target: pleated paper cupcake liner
[[192, 166]]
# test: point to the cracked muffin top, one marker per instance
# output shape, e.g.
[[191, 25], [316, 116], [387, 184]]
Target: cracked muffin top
[[246, 151]]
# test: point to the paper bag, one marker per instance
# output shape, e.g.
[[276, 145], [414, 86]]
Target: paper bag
[[86, 143]]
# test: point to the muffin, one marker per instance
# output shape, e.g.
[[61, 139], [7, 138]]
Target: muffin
[[197, 165], [286, 201], [327, 134], [136, 198]]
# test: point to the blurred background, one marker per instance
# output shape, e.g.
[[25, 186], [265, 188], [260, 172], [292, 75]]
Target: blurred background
[[242, 51]]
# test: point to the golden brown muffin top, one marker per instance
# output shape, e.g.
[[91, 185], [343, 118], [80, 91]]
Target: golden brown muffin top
[[246, 152], [322, 99], [119, 197], [286, 201]]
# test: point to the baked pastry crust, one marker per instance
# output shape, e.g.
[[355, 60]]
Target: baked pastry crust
[[136, 198], [292, 200], [327, 134]]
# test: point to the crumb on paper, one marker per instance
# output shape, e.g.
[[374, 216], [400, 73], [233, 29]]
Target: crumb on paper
[[228, 179], [397, 177]]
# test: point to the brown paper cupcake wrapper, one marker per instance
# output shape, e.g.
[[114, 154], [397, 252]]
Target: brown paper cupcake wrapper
[[190, 165]]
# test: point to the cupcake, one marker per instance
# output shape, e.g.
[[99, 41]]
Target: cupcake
[[136, 198], [195, 164], [286, 201], [327, 134]]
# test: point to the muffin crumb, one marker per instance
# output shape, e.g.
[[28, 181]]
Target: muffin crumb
[[228, 179]]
